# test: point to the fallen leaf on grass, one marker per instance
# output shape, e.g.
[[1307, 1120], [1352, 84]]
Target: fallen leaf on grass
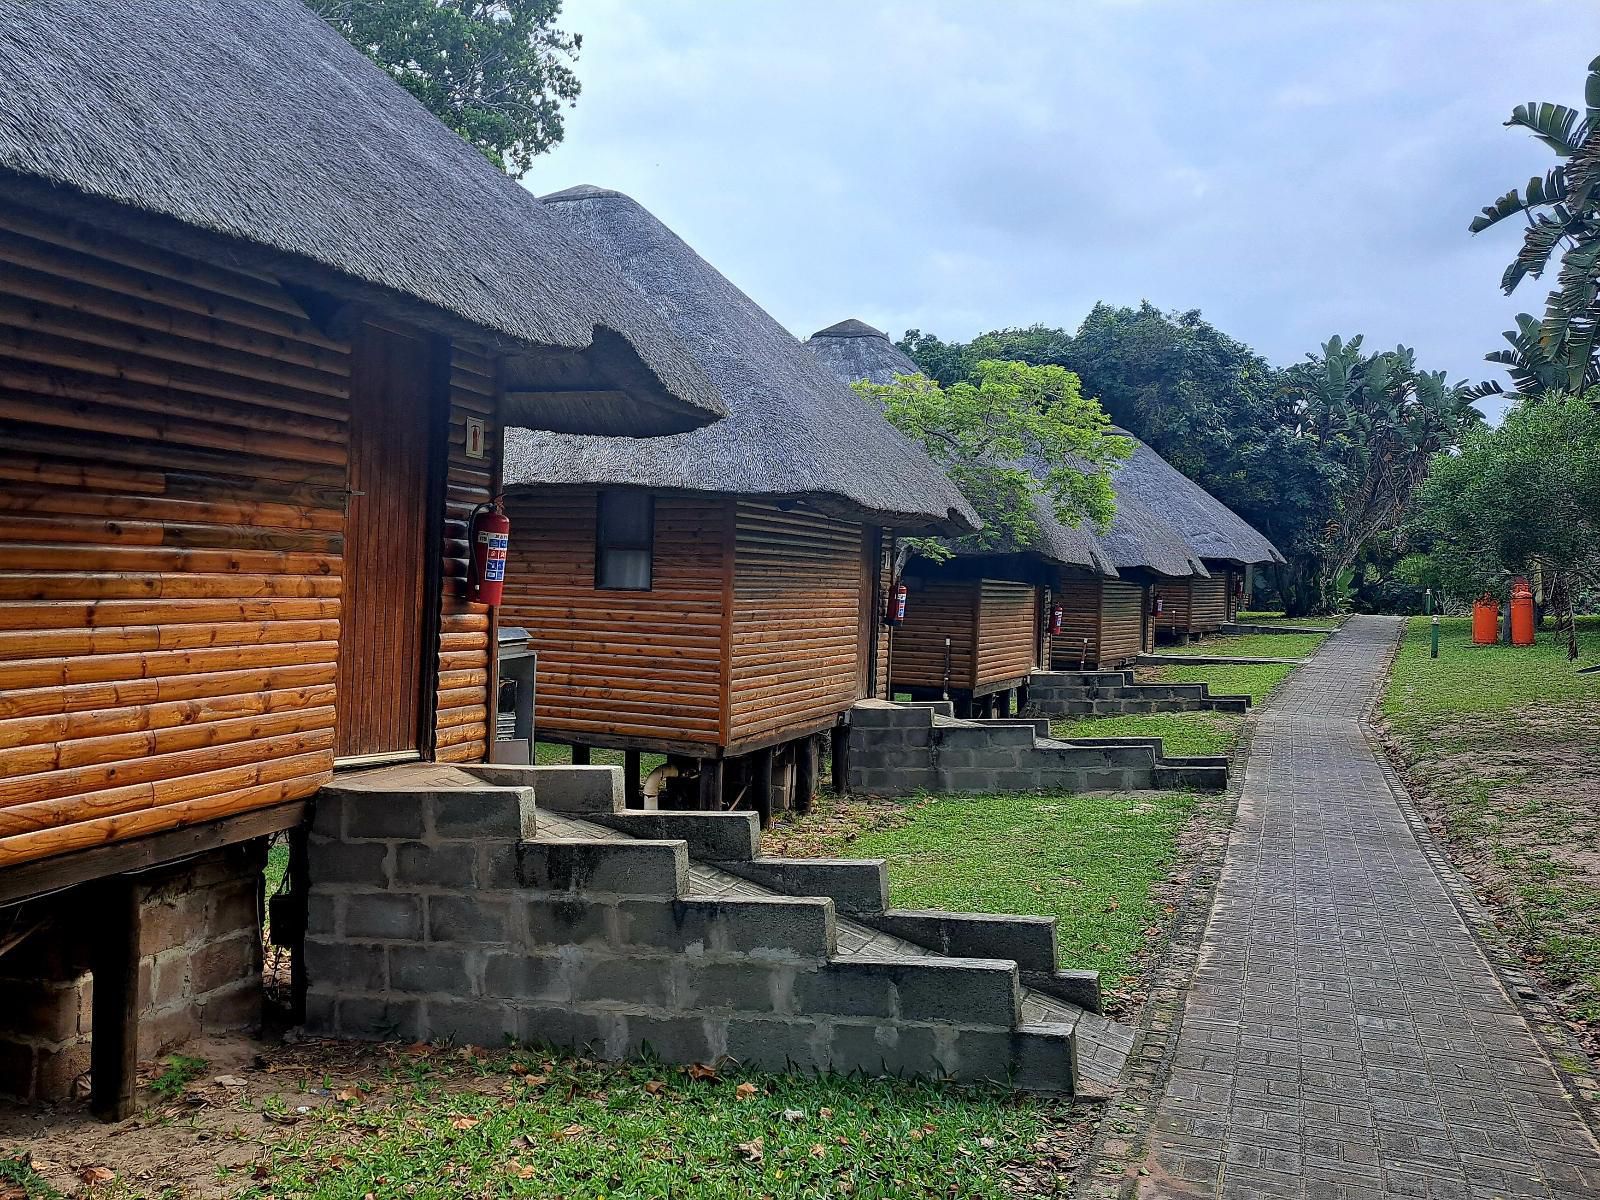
[[818, 1150], [463, 1122], [655, 1087], [262, 1171], [230, 1081], [701, 1071], [753, 1151], [793, 1114], [347, 1095], [95, 1176], [825, 1113], [523, 1170], [745, 1091], [571, 1131]]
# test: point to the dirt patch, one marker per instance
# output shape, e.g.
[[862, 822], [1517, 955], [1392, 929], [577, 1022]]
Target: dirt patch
[[1514, 797], [833, 823]]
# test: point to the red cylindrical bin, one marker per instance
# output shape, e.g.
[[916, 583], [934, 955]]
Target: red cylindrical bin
[[1485, 621], [1521, 613]]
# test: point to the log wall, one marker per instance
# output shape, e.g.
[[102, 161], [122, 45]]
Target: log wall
[[1175, 602], [1008, 622], [795, 654], [623, 666], [937, 608], [1208, 601], [171, 549]]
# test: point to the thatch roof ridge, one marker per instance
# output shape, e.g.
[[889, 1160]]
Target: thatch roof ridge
[[793, 429], [256, 121], [1210, 527]]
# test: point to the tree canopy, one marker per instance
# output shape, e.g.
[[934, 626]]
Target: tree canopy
[[1322, 457], [1560, 211], [498, 72], [1523, 499], [1011, 434]]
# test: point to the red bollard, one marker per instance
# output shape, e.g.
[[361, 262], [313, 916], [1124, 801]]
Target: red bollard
[[1485, 621], [1521, 613]]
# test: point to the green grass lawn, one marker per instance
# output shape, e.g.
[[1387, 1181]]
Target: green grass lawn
[[1253, 645], [1255, 680], [1088, 860], [548, 754], [1180, 733], [1498, 744], [324, 1121]]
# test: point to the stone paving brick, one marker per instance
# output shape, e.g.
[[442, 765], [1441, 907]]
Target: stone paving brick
[[1344, 1037]]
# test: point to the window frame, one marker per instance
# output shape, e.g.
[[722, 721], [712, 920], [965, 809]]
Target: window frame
[[602, 545]]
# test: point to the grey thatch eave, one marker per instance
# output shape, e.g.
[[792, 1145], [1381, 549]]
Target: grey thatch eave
[[250, 131], [1213, 531], [793, 433]]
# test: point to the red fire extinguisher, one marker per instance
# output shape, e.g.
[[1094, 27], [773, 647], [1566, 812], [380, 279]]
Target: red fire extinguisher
[[1158, 605], [489, 533], [896, 613], [1057, 620]]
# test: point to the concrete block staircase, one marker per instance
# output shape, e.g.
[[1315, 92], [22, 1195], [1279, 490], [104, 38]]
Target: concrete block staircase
[[447, 904], [900, 749], [1117, 693]]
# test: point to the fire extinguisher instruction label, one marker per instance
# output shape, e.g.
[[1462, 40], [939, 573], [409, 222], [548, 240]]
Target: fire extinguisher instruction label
[[494, 564]]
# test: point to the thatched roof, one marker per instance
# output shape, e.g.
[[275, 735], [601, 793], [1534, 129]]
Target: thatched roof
[[253, 125], [792, 430], [1210, 527], [854, 350]]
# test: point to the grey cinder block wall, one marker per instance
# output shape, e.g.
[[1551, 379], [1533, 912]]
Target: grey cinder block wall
[[901, 749], [442, 914]]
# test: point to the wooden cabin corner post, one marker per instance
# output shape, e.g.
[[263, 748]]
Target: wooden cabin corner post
[[497, 460], [114, 1042], [439, 372]]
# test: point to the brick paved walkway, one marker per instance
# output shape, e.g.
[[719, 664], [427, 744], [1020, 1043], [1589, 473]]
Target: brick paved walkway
[[1344, 1036]]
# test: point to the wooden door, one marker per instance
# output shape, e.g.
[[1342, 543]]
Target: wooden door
[[385, 551]]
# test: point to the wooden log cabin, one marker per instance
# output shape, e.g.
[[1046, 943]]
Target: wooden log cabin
[[712, 597], [976, 625], [258, 332], [1224, 543], [1107, 623]]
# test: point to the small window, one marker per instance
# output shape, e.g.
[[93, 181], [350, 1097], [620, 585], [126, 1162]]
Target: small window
[[624, 541]]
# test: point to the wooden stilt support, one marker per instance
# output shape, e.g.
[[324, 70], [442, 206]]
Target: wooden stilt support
[[963, 705], [114, 1045], [840, 759], [1022, 699], [761, 785], [580, 756], [711, 785], [805, 775], [300, 897], [632, 785]]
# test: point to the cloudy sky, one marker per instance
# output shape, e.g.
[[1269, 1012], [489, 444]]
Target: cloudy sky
[[1291, 169]]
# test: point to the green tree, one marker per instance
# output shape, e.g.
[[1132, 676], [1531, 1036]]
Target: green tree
[[1520, 499], [1561, 213], [1376, 421], [498, 72], [985, 433]]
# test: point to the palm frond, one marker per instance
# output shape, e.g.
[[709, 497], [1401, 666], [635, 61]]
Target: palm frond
[[1552, 124]]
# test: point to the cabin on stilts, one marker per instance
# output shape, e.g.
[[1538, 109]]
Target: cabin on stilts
[[977, 625], [261, 319], [1224, 542], [1108, 622], [713, 597]]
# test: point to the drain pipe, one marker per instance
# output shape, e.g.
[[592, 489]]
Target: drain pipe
[[654, 781]]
